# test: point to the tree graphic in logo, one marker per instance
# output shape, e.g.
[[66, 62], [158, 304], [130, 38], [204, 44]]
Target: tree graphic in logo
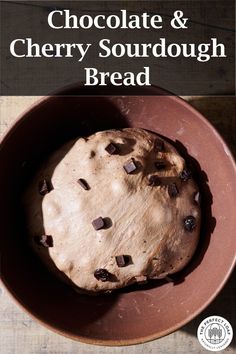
[[215, 333]]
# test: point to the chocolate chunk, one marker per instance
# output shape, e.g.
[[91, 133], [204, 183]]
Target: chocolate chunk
[[160, 165], [111, 149], [173, 190], [45, 186], [122, 261], [190, 223], [83, 184], [185, 175], [92, 154], [159, 145], [102, 274], [130, 166], [154, 181], [98, 223], [44, 240]]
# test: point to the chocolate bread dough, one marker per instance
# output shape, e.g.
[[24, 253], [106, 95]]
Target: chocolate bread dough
[[113, 209]]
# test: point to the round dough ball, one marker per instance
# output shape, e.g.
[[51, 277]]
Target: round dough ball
[[119, 207]]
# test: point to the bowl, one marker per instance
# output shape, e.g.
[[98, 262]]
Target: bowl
[[135, 314]]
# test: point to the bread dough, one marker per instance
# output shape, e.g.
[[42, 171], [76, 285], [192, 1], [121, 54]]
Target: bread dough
[[143, 218]]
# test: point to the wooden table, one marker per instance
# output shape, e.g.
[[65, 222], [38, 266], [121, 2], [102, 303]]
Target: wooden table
[[19, 334]]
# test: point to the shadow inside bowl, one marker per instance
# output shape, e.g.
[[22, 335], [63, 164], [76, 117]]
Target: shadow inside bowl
[[44, 129]]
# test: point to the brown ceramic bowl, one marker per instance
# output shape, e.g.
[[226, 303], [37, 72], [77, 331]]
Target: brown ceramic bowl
[[133, 315]]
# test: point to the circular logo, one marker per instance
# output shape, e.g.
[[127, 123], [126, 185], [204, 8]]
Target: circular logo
[[215, 333]]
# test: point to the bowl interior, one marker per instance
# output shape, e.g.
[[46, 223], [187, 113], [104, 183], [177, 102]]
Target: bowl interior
[[134, 314]]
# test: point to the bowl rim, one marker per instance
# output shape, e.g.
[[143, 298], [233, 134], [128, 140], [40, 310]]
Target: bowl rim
[[94, 341]]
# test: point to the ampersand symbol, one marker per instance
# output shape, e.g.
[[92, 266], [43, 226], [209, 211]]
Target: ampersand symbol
[[178, 22]]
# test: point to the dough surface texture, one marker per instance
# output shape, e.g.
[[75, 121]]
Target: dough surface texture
[[142, 218]]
